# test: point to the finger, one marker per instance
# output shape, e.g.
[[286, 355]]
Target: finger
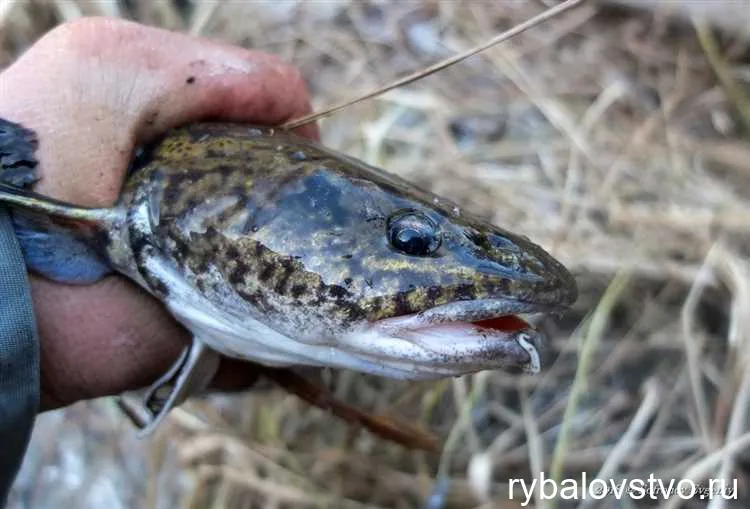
[[234, 375], [101, 339], [109, 84], [92, 90]]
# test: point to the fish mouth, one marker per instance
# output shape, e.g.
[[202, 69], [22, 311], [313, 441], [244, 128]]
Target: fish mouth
[[454, 339]]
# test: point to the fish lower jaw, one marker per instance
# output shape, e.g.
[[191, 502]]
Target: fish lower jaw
[[448, 349], [424, 352], [420, 354], [455, 339]]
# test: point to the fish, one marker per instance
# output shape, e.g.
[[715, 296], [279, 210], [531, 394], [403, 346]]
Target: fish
[[272, 248]]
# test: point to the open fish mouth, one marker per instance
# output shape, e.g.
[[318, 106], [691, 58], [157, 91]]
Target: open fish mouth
[[453, 339]]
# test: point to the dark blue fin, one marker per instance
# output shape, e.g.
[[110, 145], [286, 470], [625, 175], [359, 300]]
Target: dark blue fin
[[59, 253], [59, 241], [17, 161]]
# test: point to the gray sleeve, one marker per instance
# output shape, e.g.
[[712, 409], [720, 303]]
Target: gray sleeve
[[19, 358]]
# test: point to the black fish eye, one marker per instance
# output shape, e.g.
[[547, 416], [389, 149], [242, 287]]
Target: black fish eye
[[413, 234]]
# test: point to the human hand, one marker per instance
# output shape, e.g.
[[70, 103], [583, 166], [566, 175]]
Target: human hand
[[93, 90]]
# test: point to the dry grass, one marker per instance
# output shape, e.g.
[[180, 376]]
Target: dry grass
[[617, 140]]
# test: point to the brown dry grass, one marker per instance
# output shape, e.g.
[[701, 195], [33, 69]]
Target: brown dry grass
[[617, 140]]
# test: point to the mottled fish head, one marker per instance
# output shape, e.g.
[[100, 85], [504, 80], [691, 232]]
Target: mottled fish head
[[380, 275]]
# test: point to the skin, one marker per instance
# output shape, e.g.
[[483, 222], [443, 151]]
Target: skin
[[93, 90]]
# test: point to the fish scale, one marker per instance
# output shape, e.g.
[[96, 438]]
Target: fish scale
[[272, 248]]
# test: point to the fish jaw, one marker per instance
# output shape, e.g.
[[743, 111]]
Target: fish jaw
[[454, 339], [446, 350], [426, 352]]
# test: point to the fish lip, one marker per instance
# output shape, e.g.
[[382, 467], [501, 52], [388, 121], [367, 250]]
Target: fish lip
[[445, 340], [436, 328], [468, 311]]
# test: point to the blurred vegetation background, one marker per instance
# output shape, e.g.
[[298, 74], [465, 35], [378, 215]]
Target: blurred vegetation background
[[616, 138]]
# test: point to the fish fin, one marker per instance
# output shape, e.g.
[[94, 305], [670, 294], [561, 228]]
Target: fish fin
[[17, 161], [56, 252], [55, 237], [61, 242], [191, 373]]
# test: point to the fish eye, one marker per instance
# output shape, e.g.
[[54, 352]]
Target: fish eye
[[413, 234]]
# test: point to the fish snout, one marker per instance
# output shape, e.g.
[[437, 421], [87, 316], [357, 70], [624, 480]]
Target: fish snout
[[511, 257]]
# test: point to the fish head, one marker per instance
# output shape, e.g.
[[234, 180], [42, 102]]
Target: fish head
[[332, 254]]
